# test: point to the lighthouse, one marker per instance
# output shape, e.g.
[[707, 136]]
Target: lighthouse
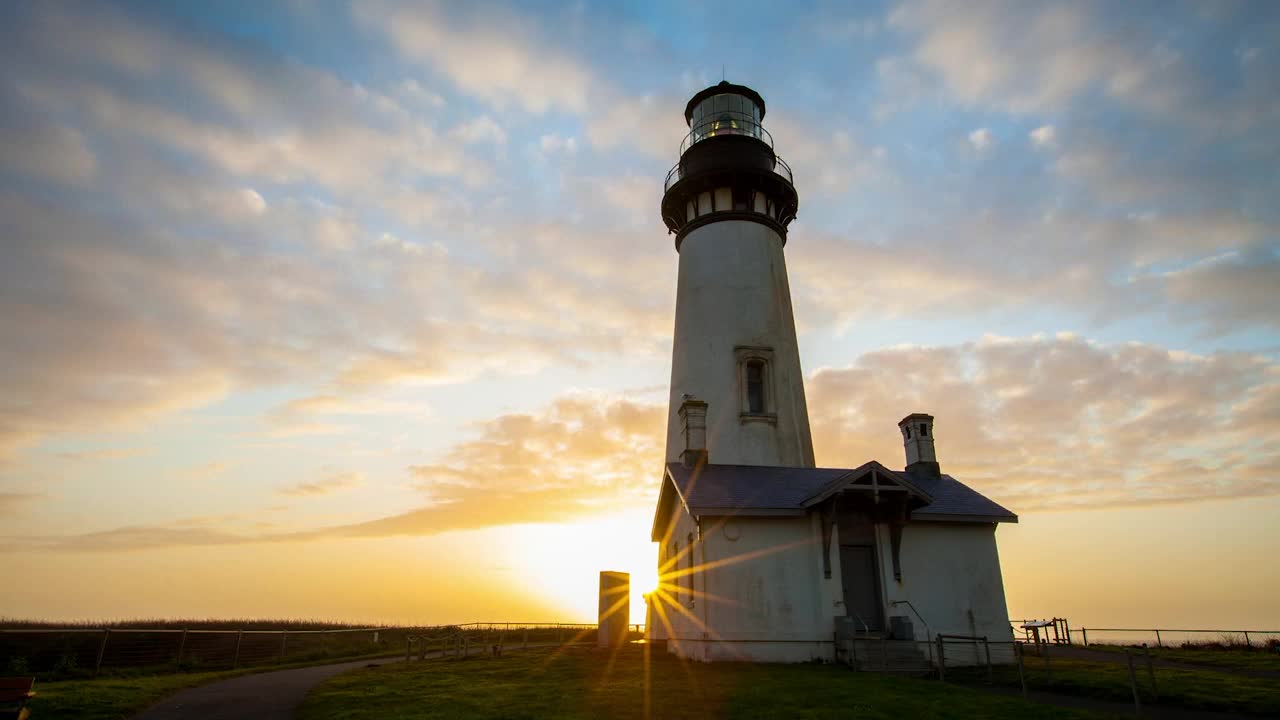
[[761, 554], [735, 363]]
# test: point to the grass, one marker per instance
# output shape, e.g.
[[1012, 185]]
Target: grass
[[1198, 689], [1236, 657], [120, 696], [112, 698], [586, 683]]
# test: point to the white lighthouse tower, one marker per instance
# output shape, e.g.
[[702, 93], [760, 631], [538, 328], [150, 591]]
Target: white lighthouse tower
[[761, 554], [729, 201]]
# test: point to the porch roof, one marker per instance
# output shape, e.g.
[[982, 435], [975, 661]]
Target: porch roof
[[763, 490]]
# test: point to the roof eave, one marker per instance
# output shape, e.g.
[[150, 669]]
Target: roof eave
[[951, 517]]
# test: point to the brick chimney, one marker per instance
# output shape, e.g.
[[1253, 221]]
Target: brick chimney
[[693, 427], [917, 436]]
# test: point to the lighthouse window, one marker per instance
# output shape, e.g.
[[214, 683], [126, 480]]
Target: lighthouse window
[[755, 386], [924, 430]]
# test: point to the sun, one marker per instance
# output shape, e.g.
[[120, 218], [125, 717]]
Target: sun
[[560, 563]]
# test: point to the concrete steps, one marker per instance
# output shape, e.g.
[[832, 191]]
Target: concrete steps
[[872, 653]]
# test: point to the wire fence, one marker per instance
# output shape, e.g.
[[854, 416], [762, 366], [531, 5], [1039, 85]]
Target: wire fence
[[1059, 631], [1173, 637], [80, 651]]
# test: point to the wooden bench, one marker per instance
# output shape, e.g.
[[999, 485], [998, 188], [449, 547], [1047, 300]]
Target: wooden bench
[[14, 694]]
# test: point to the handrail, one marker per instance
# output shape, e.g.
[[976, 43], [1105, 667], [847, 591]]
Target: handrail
[[927, 632], [865, 627], [676, 173]]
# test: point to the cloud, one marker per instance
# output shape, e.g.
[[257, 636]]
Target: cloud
[[497, 56], [553, 144], [1037, 423], [11, 503], [1060, 422], [479, 130], [1002, 258], [327, 485], [58, 153], [980, 139], [1042, 136], [1027, 57]]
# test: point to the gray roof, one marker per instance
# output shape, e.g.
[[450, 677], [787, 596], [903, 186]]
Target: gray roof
[[764, 490]]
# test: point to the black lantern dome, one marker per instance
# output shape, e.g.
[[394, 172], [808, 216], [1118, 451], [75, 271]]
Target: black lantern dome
[[728, 169]]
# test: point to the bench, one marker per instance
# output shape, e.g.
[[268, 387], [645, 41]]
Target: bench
[[14, 694]]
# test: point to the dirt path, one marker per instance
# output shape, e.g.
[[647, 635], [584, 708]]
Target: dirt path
[[262, 696]]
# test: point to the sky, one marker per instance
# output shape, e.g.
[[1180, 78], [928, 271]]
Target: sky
[[363, 311]]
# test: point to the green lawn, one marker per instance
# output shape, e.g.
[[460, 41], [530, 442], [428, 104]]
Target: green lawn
[[111, 698], [1202, 689], [586, 683]]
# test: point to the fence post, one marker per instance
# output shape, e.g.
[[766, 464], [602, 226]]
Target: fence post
[[466, 648], [1133, 683], [235, 661], [284, 644], [1246, 639], [102, 650], [1022, 677], [1151, 672], [942, 660], [1158, 643], [986, 645], [1048, 666], [1085, 633], [526, 638], [182, 644], [408, 647]]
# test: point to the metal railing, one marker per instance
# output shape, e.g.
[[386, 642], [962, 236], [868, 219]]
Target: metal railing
[[726, 123], [780, 167]]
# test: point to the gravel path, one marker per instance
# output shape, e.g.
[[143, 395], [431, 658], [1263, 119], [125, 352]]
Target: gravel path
[[262, 696]]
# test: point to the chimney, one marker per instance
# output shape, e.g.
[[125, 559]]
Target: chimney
[[693, 426], [917, 436]]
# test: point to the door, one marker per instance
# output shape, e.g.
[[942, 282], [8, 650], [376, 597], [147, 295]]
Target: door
[[861, 586]]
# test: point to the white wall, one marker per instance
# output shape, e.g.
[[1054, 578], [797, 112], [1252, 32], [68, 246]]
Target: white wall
[[765, 599], [732, 291], [951, 575]]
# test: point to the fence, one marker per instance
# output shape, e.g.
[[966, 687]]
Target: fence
[[82, 651], [1173, 637]]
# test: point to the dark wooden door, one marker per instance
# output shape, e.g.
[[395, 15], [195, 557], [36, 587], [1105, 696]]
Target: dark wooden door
[[861, 586]]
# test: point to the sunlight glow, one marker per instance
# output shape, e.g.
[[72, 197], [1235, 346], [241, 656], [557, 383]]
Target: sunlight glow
[[561, 562]]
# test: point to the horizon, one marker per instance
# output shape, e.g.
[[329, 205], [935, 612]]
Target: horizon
[[363, 311]]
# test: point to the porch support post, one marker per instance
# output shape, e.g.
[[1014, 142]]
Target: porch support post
[[827, 518], [895, 548]]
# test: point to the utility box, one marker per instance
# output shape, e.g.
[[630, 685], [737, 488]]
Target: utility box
[[615, 609]]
